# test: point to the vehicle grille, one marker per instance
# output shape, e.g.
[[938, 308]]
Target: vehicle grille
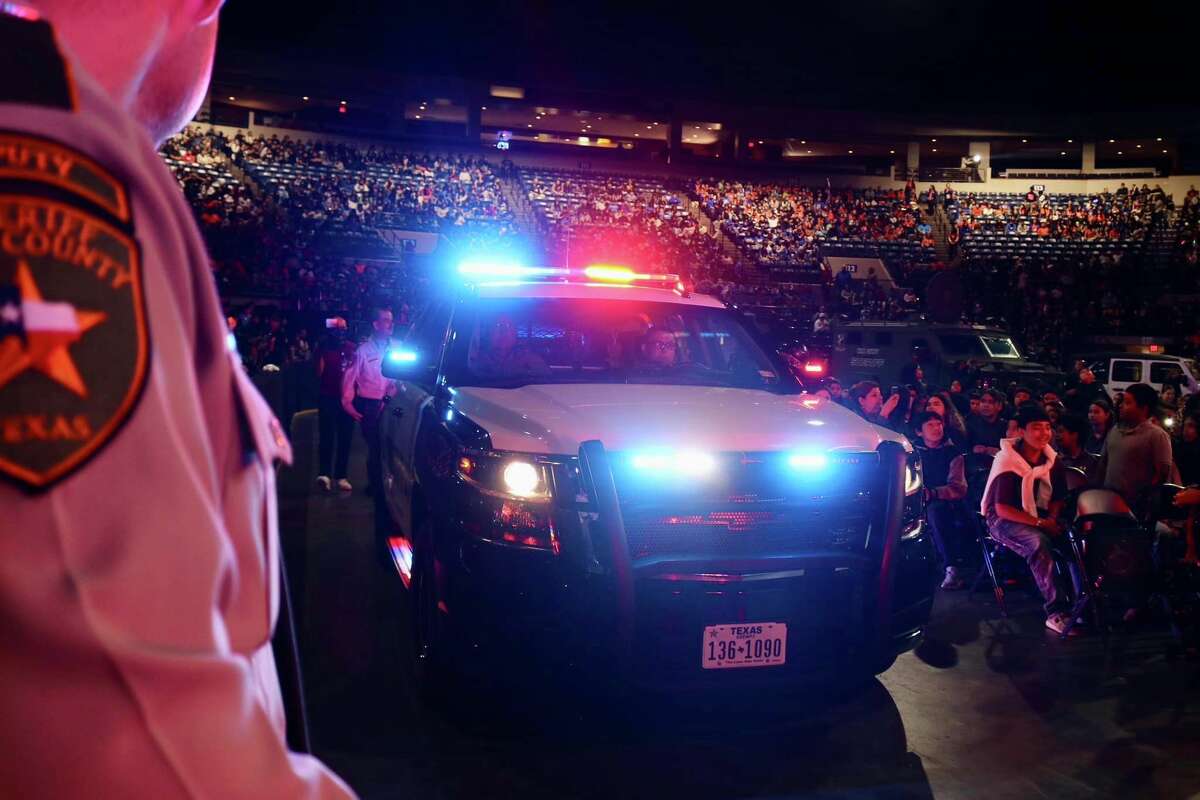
[[747, 531], [751, 505]]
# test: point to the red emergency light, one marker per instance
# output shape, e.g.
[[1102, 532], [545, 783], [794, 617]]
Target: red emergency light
[[814, 368]]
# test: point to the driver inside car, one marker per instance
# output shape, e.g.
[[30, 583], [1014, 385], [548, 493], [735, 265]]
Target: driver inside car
[[499, 355], [658, 350]]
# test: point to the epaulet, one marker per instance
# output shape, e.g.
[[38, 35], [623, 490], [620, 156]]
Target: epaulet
[[32, 69]]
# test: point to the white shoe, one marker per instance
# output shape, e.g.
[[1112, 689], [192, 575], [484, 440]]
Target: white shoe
[[1058, 622], [344, 485], [953, 582], [324, 482]]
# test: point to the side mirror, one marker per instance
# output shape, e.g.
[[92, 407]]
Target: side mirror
[[402, 364]]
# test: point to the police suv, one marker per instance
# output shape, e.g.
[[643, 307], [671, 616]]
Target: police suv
[[597, 468]]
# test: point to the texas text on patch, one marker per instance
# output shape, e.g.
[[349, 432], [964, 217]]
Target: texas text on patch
[[74, 342]]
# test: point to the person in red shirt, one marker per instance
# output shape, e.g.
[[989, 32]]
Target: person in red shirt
[[334, 425]]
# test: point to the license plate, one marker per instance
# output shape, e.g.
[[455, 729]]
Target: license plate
[[751, 644]]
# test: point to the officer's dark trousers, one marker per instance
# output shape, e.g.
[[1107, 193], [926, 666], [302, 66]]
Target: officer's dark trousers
[[334, 427], [370, 410]]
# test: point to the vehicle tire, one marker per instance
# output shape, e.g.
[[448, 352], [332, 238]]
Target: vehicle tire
[[430, 660], [884, 663]]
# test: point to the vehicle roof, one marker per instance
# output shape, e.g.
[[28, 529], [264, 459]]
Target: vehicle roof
[[939, 327], [1132, 356], [592, 291]]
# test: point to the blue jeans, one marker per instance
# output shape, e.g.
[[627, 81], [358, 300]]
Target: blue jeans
[[1035, 547]]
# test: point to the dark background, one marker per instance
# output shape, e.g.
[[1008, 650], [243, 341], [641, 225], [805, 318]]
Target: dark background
[[936, 56]]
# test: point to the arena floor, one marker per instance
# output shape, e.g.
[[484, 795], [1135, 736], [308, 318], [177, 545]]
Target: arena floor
[[983, 709]]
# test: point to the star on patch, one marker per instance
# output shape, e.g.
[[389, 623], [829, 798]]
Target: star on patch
[[35, 334]]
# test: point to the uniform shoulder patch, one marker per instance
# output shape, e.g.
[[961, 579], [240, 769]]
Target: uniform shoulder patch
[[24, 157], [74, 338]]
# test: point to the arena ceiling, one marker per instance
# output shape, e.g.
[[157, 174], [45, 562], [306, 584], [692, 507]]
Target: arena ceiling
[[888, 69]]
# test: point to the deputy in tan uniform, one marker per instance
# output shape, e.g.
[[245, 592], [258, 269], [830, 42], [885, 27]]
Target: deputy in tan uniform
[[138, 549]]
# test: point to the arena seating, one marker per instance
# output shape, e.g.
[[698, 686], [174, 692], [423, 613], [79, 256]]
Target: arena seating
[[589, 218], [780, 225], [200, 163], [380, 187], [993, 224]]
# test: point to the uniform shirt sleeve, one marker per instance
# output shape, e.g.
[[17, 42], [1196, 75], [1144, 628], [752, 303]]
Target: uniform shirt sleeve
[[143, 585], [350, 378]]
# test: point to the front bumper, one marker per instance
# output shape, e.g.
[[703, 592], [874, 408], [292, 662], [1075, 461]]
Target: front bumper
[[848, 611]]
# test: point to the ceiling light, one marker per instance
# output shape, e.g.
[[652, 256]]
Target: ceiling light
[[1070, 141], [647, 127], [483, 108], [935, 149], [343, 102], [803, 142], [637, 134], [418, 116], [1063, 153], [760, 141], [530, 125], [305, 98], [851, 152], [808, 151], [231, 97], [933, 140], [1139, 147], [893, 152], [1164, 152], [1112, 141], [1159, 139], [1120, 152], [1024, 141]]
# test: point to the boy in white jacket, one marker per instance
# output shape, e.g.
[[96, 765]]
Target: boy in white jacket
[[1021, 502]]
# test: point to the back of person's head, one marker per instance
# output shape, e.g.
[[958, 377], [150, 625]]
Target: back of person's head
[[160, 71], [861, 389], [996, 395], [1076, 424], [1144, 396]]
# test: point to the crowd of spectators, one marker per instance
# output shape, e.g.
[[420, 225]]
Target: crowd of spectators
[[263, 232], [1124, 215], [312, 182], [587, 218], [200, 161], [786, 224], [968, 438]]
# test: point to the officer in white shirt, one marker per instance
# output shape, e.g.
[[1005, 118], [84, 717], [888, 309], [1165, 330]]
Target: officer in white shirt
[[365, 390]]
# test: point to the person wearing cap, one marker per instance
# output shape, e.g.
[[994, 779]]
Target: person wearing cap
[[1021, 503], [140, 577]]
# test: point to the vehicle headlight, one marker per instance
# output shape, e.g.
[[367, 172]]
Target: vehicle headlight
[[508, 475], [521, 478], [912, 478]]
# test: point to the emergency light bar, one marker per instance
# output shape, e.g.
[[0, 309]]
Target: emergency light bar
[[485, 271]]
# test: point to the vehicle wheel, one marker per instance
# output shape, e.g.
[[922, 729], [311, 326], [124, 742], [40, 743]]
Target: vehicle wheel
[[431, 664]]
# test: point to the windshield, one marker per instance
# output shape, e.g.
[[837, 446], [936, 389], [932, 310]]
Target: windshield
[[1000, 347], [509, 343]]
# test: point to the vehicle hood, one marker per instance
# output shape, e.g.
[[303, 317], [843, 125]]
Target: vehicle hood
[[556, 419]]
